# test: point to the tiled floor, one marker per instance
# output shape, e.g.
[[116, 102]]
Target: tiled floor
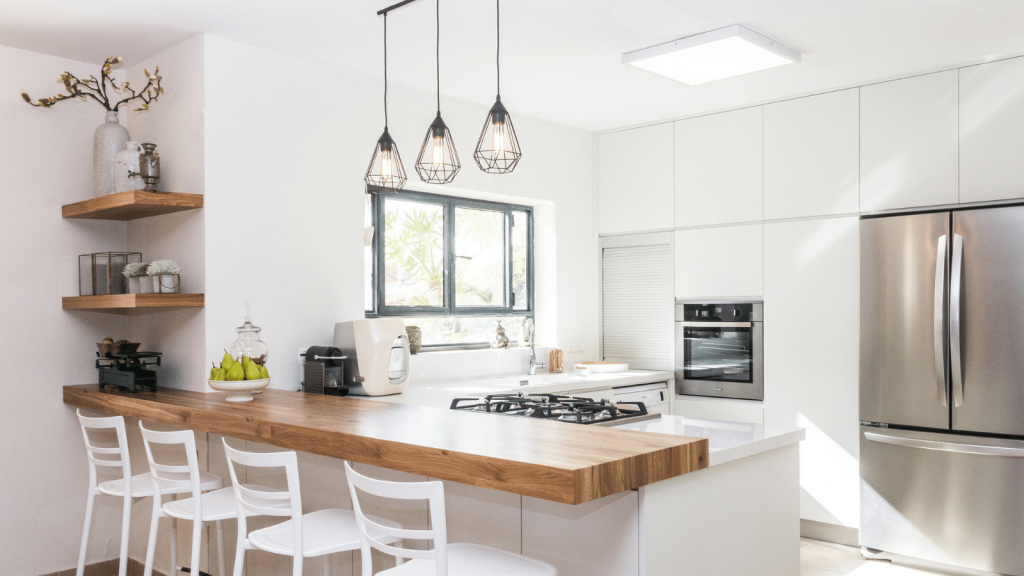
[[828, 559]]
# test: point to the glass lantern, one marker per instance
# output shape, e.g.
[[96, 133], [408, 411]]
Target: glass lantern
[[101, 273], [249, 343]]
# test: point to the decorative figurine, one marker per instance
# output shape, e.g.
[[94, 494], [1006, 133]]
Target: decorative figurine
[[500, 339]]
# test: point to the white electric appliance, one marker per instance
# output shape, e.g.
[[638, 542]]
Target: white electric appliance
[[378, 355]]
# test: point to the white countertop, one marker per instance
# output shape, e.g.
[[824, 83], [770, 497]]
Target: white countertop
[[727, 441], [440, 394]]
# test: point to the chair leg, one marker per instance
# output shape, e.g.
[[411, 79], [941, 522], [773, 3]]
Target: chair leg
[[85, 531], [222, 563], [327, 565], [126, 519], [398, 559], [154, 527], [197, 543], [297, 564], [174, 548]]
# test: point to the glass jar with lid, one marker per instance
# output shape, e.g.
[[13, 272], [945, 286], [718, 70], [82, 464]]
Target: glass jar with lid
[[248, 342]]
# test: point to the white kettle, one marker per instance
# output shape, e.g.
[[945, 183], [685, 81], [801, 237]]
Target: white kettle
[[378, 355]]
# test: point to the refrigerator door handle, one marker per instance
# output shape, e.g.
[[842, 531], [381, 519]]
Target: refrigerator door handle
[[940, 321], [955, 288], [945, 446]]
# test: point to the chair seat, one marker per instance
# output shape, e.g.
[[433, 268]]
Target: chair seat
[[323, 532], [217, 505], [472, 559], [142, 485]]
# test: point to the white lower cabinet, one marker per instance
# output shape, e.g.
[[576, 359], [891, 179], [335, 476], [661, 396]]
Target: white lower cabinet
[[700, 408], [594, 394], [723, 262], [811, 351]]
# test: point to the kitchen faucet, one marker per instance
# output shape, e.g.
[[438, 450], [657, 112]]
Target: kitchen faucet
[[529, 332]]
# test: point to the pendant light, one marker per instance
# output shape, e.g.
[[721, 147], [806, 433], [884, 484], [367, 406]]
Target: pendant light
[[497, 150], [385, 175], [438, 162]]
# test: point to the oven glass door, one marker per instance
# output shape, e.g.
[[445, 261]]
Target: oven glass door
[[718, 353]]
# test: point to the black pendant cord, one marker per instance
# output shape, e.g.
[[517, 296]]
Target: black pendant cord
[[385, 70], [497, 57], [437, 54]]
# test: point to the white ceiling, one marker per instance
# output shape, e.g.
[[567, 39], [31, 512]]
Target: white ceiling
[[560, 58]]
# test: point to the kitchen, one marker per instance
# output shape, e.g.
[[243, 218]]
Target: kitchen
[[753, 186]]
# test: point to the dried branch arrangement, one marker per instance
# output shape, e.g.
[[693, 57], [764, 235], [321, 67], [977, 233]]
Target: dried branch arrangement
[[103, 90]]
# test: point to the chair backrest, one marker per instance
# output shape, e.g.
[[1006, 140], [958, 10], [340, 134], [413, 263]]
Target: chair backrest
[[174, 477], [115, 423], [370, 531], [261, 502]]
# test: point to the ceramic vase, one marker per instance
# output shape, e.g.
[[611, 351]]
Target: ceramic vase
[[109, 139], [126, 163], [415, 338]]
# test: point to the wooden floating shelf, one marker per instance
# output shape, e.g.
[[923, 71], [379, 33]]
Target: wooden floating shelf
[[115, 302], [132, 205]]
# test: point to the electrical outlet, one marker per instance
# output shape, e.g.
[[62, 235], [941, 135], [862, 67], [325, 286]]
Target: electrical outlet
[[574, 346]]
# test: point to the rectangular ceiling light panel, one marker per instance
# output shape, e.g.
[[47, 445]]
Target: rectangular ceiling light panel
[[711, 56]]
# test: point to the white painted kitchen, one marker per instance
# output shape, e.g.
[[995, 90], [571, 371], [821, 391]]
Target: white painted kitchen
[[453, 287]]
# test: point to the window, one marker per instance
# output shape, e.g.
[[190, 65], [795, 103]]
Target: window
[[452, 266]]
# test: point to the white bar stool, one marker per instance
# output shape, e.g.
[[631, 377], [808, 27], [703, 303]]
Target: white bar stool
[[214, 506], [128, 487], [319, 533], [457, 559]]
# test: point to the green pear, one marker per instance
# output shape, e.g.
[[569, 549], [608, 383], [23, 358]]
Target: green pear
[[252, 371], [213, 372], [264, 375], [235, 373], [226, 361], [221, 376]]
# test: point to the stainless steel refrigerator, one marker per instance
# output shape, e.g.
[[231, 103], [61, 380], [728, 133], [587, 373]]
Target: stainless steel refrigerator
[[942, 387]]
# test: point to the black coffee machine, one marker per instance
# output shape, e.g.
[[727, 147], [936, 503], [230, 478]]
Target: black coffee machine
[[323, 371]]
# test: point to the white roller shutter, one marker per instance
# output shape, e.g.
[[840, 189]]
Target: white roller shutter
[[637, 305]]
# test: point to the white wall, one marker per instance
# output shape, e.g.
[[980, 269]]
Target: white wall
[[284, 206], [45, 162], [175, 124]]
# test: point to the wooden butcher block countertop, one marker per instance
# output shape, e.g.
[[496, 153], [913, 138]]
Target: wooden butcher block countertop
[[557, 461]]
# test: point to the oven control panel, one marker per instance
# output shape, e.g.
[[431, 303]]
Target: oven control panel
[[723, 312]]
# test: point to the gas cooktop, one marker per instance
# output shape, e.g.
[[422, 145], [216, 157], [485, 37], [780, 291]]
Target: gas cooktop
[[561, 408]]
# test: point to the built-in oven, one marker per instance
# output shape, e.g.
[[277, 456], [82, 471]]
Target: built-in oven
[[720, 349]]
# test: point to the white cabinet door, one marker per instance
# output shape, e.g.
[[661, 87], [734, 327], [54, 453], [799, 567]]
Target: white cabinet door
[[719, 168], [811, 353], [634, 180], [908, 142], [812, 156], [725, 262], [991, 129], [597, 394]]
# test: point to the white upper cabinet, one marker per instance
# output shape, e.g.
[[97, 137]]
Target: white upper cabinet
[[812, 156], [992, 131], [634, 180], [724, 262], [719, 168], [908, 142]]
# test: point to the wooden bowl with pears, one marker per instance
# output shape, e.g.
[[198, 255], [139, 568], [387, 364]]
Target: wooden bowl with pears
[[239, 377]]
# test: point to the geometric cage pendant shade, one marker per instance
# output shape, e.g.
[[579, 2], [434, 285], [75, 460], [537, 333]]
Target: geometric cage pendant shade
[[385, 175], [438, 162], [497, 150]]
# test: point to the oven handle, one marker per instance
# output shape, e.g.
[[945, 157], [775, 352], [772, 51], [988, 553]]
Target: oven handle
[[717, 324]]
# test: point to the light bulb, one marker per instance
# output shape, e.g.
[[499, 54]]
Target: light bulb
[[438, 155], [498, 145], [385, 166]]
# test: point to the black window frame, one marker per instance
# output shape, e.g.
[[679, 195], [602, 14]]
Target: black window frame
[[448, 308]]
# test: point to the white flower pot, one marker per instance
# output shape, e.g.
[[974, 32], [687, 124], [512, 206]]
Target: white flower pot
[[167, 284]]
